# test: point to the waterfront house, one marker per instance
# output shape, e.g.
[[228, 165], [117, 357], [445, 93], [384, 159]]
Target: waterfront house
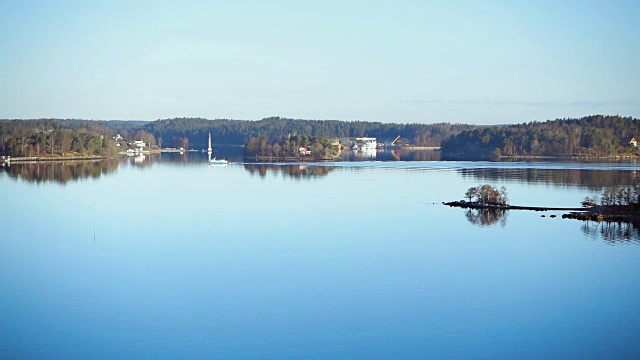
[[630, 141], [117, 139]]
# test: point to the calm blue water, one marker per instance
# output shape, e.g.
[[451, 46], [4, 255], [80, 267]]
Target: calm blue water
[[346, 260]]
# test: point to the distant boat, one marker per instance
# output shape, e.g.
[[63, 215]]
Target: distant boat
[[214, 161]]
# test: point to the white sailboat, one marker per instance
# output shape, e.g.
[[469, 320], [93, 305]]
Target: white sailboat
[[214, 161]]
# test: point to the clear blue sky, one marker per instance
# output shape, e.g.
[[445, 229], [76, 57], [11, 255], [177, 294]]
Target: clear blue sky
[[481, 62]]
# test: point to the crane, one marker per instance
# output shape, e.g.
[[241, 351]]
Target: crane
[[394, 140]]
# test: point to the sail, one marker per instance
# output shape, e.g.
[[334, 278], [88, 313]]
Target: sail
[[209, 148]]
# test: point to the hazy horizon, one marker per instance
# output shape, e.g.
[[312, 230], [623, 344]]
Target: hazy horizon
[[301, 119]]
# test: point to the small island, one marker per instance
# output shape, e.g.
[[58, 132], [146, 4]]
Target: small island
[[292, 148], [615, 205]]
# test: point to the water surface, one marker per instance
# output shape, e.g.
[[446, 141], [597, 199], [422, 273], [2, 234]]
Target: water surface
[[171, 258]]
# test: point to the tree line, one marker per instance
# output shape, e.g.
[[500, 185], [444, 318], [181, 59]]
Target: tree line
[[596, 135], [62, 137], [236, 132], [591, 136], [86, 137]]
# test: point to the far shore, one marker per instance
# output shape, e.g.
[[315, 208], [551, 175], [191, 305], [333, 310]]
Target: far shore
[[34, 159], [466, 156], [409, 147], [60, 158], [263, 158]]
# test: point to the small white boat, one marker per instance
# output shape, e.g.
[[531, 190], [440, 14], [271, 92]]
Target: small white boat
[[214, 161]]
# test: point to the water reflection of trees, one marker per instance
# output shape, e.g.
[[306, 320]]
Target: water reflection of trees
[[294, 171], [593, 179], [613, 233], [61, 172], [392, 155], [416, 155], [486, 217]]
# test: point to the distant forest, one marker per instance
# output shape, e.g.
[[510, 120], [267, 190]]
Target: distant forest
[[86, 137], [591, 136], [238, 132]]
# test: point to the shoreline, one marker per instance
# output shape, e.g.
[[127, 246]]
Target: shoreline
[[434, 148], [37, 159], [275, 159], [472, 205], [467, 157]]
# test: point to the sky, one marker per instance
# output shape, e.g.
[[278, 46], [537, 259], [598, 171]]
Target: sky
[[476, 62]]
